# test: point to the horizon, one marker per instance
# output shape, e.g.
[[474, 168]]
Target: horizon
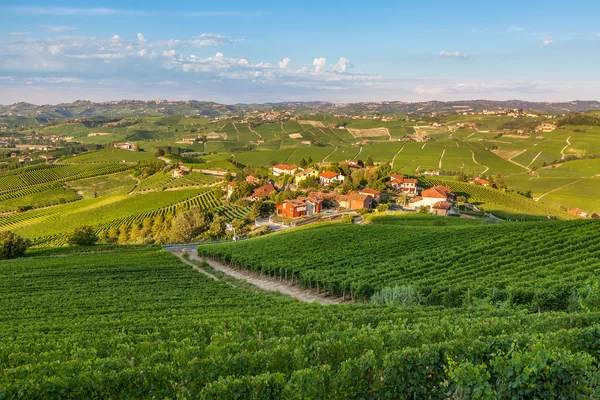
[[303, 101], [268, 52]]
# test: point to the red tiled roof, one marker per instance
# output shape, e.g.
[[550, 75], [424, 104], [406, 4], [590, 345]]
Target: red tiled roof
[[442, 205], [411, 180], [285, 167], [397, 177], [595, 216], [577, 211], [434, 193], [329, 174], [263, 191], [414, 200], [480, 181]]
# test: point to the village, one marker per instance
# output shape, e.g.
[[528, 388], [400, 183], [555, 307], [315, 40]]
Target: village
[[320, 191]]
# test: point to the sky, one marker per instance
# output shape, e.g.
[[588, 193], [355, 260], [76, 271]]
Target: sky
[[271, 51]]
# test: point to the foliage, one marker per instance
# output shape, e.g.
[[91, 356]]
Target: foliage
[[83, 235], [405, 295], [12, 245]]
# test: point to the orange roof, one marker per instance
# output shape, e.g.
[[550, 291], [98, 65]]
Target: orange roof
[[411, 180], [577, 211], [285, 166], [480, 181], [442, 205], [434, 193], [329, 174], [397, 177], [263, 191]]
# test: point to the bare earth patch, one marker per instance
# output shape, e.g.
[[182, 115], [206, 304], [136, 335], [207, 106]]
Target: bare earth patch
[[92, 134], [316, 124], [295, 136], [374, 132]]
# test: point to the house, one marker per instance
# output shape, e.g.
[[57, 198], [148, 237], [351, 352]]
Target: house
[[47, 157], [480, 181], [430, 197], [126, 146], [252, 180], [309, 142], [595, 216], [307, 173], [354, 164], [285, 169], [402, 184], [263, 191], [578, 212], [431, 172], [25, 159], [13, 155], [375, 194], [354, 201], [300, 207], [178, 173], [329, 177], [545, 127], [442, 208]]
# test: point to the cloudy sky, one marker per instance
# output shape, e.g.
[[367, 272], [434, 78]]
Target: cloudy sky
[[262, 51]]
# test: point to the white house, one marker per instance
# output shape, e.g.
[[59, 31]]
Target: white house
[[431, 197], [328, 177], [284, 169]]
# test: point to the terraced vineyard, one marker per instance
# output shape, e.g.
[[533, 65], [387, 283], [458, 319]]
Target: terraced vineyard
[[539, 264], [74, 328], [501, 204], [23, 178], [163, 181]]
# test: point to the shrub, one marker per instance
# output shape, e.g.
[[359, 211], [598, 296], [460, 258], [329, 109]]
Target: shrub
[[82, 236], [12, 245], [405, 295]]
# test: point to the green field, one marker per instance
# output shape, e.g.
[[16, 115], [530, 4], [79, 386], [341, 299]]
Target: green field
[[140, 323]]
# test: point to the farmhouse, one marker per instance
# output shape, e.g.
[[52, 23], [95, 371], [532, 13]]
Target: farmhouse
[[431, 172], [595, 216], [230, 188], [442, 208], [126, 146], [307, 173], [301, 207], [47, 157], [430, 197], [285, 169], [354, 201], [263, 191], [252, 180], [402, 184], [178, 173], [480, 181], [328, 177], [545, 127], [375, 194], [25, 159]]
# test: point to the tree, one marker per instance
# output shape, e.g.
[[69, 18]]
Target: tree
[[310, 160], [303, 163], [423, 210], [82, 235], [369, 162], [189, 224], [12, 245], [113, 235], [123, 234], [160, 152], [218, 225]]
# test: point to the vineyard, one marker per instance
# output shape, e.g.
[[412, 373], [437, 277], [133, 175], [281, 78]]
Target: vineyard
[[535, 264], [164, 181], [141, 324], [207, 201], [502, 204], [19, 179]]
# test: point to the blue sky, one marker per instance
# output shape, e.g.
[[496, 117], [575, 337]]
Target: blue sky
[[263, 51]]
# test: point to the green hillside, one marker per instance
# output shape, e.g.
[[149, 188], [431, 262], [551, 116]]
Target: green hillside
[[535, 264], [142, 324]]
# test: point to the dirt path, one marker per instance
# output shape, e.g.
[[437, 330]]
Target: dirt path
[[291, 154], [534, 158], [325, 158], [441, 158], [558, 188], [267, 283], [253, 131], [178, 254], [562, 152], [395, 155], [235, 127], [475, 161]]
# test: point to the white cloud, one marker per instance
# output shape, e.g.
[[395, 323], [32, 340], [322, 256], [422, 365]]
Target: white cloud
[[19, 33], [451, 54], [342, 65], [284, 63], [320, 64], [58, 28], [141, 37], [142, 52], [547, 42], [170, 53], [116, 37]]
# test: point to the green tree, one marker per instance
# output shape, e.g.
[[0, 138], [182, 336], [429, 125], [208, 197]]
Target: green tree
[[369, 162], [123, 234], [113, 235], [82, 235], [189, 224], [303, 163], [12, 245], [423, 210]]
